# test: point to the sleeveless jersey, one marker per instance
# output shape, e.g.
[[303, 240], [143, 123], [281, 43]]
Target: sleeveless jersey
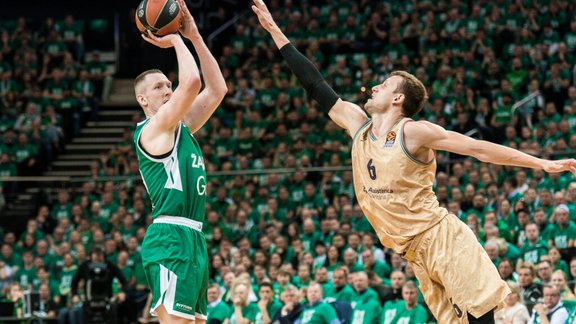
[[176, 184], [394, 189]]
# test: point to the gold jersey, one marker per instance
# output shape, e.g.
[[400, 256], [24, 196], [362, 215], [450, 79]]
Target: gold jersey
[[393, 188]]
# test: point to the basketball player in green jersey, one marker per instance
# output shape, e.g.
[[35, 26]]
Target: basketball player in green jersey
[[393, 162], [174, 253]]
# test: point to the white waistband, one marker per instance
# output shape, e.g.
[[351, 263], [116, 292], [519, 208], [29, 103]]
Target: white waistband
[[178, 220]]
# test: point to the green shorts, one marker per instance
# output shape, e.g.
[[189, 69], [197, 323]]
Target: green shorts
[[175, 261]]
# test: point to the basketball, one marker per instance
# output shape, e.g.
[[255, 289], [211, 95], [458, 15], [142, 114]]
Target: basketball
[[161, 17]]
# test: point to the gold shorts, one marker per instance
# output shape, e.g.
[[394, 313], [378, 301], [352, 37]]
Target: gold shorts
[[455, 274]]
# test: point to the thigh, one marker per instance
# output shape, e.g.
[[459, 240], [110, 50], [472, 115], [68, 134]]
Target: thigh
[[201, 279], [455, 260], [436, 297], [165, 317]]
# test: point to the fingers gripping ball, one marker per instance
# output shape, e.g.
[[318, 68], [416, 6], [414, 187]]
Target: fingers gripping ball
[[161, 17]]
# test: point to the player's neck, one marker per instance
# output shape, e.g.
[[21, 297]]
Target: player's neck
[[382, 123]]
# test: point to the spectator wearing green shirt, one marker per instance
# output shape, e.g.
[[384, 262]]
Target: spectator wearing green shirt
[[533, 248], [267, 304], [381, 269], [544, 272], [218, 310], [342, 290], [316, 311], [366, 307], [563, 233], [556, 260], [26, 156], [406, 310], [351, 260], [27, 272], [64, 277], [321, 277], [493, 250], [245, 312], [506, 270]]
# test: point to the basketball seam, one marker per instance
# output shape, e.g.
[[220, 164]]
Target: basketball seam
[[159, 14], [143, 19]]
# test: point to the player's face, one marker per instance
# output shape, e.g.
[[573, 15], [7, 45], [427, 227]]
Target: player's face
[[158, 90], [382, 95]]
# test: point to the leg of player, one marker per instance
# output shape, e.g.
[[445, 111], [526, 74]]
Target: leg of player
[[166, 318], [487, 318]]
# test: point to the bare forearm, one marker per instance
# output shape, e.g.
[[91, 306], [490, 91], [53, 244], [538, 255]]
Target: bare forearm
[[211, 73], [187, 68], [498, 154], [278, 37]]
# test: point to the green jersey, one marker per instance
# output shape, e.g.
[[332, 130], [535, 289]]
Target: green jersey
[[396, 312], [24, 276], [345, 293], [65, 279], [218, 311], [369, 312], [177, 183], [532, 252], [319, 313], [251, 313]]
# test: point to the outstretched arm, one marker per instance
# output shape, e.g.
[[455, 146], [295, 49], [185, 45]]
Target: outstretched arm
[[215, 85], [425, 134], [157, 137], [345, 114]]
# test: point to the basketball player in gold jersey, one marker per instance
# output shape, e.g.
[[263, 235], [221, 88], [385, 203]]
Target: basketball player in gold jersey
[[394, 169]]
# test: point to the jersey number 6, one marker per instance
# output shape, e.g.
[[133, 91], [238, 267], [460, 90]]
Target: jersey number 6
[[371, 170]]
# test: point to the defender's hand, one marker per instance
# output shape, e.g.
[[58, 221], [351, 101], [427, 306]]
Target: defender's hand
[[264, 16]]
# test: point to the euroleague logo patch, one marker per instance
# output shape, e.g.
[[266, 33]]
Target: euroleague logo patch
[[390, 139]]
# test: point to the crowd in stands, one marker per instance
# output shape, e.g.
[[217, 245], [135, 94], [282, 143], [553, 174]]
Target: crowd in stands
[[47, 91], [287, 246]]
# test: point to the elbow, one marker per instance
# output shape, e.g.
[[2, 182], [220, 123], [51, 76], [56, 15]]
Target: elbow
[[191, 84], [222, 91]]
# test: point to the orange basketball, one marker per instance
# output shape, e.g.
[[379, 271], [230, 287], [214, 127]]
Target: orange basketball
[[161, 17]]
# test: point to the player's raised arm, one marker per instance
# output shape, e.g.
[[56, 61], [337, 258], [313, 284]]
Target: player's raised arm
[[345, 114], [215, 85], [158, 135], [428, 135]]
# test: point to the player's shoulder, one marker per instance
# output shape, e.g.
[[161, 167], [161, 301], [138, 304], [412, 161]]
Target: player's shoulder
[[420, 127]]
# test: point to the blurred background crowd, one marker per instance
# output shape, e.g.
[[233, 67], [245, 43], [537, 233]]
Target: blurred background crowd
[[293, 236]]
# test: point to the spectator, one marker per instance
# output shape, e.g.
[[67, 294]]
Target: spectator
[[531, 292], [267, 304], [533, 248], [292, 308], [560, 280], [342, 290], [544, 272], [514, 311], [244, 310], [551, 310], [407, 309], [315, 310], [218, 310], [366, 304]]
